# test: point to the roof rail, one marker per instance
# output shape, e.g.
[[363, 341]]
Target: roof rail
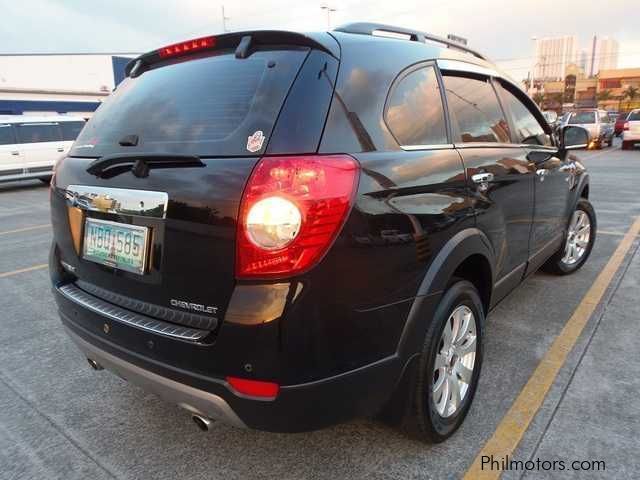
[[365, 28]]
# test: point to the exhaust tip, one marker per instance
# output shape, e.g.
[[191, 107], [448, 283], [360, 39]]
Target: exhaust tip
[[203, 423], [95, 365]]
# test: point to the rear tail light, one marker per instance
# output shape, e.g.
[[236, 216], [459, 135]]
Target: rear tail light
[[626, 126], [291, 211], [187, 47], [254, 388]]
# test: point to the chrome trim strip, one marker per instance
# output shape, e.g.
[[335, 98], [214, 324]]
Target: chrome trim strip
[[115, 313], [189, 398], [122, 201], [487, 145], [412, 148]]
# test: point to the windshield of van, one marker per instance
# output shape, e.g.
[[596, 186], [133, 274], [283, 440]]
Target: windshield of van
[[580, 118], [211, 105]]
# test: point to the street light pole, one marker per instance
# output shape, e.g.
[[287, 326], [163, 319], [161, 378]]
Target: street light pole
[[329, 10]]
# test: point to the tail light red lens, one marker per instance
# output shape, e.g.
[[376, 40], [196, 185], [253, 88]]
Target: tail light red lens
[[626, 126], [291, 211], [189, 46], [254, 388]]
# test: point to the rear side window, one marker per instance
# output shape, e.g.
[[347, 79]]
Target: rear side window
[[38, 132], [528, 129], [580, 118], [474, 105], [70, 130], [6, 135], [414, 113], [633, 116], [206, 106]]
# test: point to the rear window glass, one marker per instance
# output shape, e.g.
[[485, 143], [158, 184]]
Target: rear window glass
[[474, 104], [207, 106], [38, 132], [633, 116], [415, 114], [6, 135], [582, 118], [70, 130]]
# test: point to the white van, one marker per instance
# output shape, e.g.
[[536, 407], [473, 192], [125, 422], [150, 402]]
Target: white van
[[30, 146]]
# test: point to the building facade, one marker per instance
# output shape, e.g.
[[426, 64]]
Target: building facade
[[552, 55], [603, 55], [57, 84]]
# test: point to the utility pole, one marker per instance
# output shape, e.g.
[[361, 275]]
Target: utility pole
[[329, 10], [224, 21]]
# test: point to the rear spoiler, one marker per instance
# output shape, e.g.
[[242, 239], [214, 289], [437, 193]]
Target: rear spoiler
[[241, 41]]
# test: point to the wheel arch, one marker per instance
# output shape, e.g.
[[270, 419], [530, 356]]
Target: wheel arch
[[467, 254]]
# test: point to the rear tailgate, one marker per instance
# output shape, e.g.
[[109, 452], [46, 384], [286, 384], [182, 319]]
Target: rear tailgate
[[189, 131]]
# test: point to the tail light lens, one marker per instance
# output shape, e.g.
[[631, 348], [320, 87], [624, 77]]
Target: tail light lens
[[626, 126], [291, 211]]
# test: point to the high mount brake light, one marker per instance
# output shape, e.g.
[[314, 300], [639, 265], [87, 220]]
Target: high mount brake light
[[187, 47], [291, 211]]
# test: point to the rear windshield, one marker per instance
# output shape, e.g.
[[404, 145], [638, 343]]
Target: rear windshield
[[214, 105], [582, 117], [634, 116]]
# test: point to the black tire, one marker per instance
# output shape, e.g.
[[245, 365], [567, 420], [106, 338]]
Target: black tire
[[555, 264], [421, 419]]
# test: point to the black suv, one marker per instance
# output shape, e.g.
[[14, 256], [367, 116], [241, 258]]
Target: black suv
[[284, 231]]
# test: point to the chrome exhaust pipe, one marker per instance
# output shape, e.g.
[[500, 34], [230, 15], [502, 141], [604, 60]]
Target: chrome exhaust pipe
[[95, 365], [203, 423]]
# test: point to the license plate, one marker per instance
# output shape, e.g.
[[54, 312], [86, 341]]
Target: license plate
[[115, 244]]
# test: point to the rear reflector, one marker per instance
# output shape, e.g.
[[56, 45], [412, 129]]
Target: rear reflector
[[254, 388], [187, 47], [292, 210]]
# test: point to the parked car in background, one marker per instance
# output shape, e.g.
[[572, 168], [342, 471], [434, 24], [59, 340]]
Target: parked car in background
[[597, 123], [619, 125], [30, 146], [631, 130], [550, 116], [284, 230]]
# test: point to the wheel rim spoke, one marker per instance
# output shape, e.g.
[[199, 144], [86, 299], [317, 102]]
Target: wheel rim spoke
[[454, 362]]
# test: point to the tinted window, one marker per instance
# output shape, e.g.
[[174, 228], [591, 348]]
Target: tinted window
[[415, 114], [634, 116], [6, 135], [582, 118], [70, 130], [528, 129], [473, 103], [38, 132], [204, 106]]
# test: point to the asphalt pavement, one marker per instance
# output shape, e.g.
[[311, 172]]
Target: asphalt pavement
[[61, 420]]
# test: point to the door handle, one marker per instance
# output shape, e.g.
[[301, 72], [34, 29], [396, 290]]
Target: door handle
[[482, 177], [542, 172], [15, 153], [60, 149], [482, 180]]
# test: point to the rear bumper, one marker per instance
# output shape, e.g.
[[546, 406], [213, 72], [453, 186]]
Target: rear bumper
[[628, 136], [192, 399], [297, 408]]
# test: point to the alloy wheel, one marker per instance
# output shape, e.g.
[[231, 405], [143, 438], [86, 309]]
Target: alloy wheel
[[455, 361], [578, 238]]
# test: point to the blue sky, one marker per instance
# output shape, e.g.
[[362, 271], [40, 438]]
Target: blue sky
[[500, 29]]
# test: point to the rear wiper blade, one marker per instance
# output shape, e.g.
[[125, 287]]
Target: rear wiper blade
[[142, 162]]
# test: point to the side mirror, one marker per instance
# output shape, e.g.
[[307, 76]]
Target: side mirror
[[574, 137]]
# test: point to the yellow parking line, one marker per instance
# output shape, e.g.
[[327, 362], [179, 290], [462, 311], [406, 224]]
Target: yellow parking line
[[24, 270], [25, 229], [515, 423]]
